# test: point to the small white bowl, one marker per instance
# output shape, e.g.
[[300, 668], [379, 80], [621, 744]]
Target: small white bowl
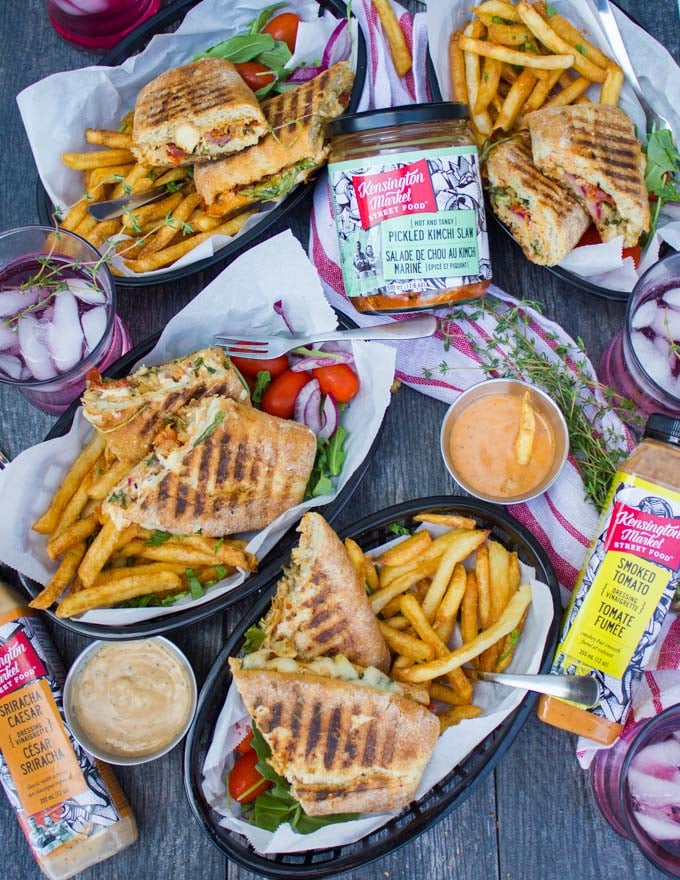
[[540, 401], [114, 757]]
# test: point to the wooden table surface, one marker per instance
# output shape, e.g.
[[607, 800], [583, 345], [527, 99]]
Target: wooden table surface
[[534, 818]]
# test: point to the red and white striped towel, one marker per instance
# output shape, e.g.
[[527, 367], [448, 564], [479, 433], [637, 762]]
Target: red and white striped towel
[[442, 366]]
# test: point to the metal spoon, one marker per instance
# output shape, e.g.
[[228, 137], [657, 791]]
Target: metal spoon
[[580, 689]]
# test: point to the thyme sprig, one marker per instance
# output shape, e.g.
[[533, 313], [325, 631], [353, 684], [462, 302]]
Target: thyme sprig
[[511, 351]]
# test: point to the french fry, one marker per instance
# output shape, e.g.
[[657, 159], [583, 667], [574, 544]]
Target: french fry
[[483, 585], [104, 138], [514, 572], [482, 121], [508, 645], [488, 88], [571, 35], [86, 226], [98, 553], [445, 694], [111, 174], [356, 556], [397, 621], [203, 222], [113, 575], [445, 617], [524, 442], [453, 520], [73, 510], [118, 591], [541, 91], [406, 551], [61, 578], [456, 715], [573, 91], [401, 55], [468, 609], [543, 32], [370, 574], [509, 34], [174, 175], [499, 577], [413, 611], [74, 534], [611, 87], [499, 8], [96, 159], [518, 94], [465, 542], [399, 585], [147, 213], [74, 215], [457, 70], [405, 644], [47, 523], [101, 487], [512, 56], [102, 232], [190, 557], [172, 226], [508, 621], [138, 176]]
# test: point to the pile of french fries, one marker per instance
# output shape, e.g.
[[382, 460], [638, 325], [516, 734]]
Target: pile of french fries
[[158, 233], [513, 59], [419, 590], [102, 565]]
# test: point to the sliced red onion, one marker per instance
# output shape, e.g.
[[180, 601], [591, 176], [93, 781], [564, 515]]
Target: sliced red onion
[[307, 406], [313, 363], [330, 416], [339, 45], [343, 348], [303, 75], [281, 312]]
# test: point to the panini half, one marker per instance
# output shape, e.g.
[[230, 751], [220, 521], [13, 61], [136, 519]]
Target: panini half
[[592, 150], [230, 469], [132, 410], [320, 607], [294, 148], [193, 113], [345, 746], [543, 217]]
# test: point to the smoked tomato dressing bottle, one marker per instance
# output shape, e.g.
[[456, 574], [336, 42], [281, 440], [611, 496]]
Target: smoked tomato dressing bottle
[[625, 587], [69, 806]]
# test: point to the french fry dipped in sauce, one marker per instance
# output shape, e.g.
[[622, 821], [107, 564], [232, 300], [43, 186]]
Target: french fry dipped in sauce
[[524, 443]]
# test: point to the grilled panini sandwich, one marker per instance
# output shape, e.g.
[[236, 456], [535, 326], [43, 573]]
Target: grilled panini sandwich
[[347, 740], [194, 113], [132, 410], [592, 150], [544, 217], [289, 154], [321, 607], [230, 468]]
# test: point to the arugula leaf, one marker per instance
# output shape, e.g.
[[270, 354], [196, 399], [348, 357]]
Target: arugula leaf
[[151, 601], [242, 47], [335, 451], [262, 382], [397, 529], [253, 639], [221, 571], [158, 538], [258, 23], [276, 57], [550, 10], [218, 544], [210, 430], [662, 174], [195, 586], [330, 456]]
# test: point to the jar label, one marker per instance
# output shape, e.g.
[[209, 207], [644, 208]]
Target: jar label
[[624, 591], [410, 222]]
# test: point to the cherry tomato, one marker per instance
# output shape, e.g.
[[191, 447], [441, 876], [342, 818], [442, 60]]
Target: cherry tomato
[[339, 380], [279, 398], [245, 780], [246, 744], [592, 236], [273, 366], [283, 27], [254, 74]]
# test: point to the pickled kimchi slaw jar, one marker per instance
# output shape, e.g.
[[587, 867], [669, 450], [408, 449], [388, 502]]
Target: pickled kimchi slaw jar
[[409, 209], [69, 806], [625, 587]]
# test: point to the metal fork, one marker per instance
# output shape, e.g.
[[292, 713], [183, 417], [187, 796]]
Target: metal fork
[[655, 121], [262, 347]]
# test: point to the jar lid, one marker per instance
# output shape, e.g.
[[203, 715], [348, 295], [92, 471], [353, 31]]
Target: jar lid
[[664, 428], [370, 119]]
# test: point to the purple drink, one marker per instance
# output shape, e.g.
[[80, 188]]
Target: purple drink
[[57, 315], [98, 24]]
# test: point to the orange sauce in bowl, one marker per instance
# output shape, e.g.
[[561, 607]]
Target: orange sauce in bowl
[[481, 446]]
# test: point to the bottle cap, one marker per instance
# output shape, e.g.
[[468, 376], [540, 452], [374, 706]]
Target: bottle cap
[[664, 428]]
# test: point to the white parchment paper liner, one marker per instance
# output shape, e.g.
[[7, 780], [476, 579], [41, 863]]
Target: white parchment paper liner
[[57, 110], [647, 55], [452, 747], [240, 299]]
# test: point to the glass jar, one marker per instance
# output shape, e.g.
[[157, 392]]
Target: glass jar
[[637, 791], [409, 208]]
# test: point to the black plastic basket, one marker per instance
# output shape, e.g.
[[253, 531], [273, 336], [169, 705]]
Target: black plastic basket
[[443, 797]]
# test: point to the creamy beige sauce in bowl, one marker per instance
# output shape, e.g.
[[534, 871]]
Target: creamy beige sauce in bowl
[[131, 700]]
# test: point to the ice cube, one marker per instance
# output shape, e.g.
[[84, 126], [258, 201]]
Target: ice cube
[[10, 366], [94, 325], [8, 337], [654, 362], [64, 333], [33, 349], [13, 301], [672, 298], [644, 316], [86, 291], [659, 827], [667, 323]]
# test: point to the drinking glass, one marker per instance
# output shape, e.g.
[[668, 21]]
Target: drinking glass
[[98, 24], [636, 784], [57, 315], [642, 362]]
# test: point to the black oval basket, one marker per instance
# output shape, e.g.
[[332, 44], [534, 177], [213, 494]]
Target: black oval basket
[[167, 20], [446, 795]]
